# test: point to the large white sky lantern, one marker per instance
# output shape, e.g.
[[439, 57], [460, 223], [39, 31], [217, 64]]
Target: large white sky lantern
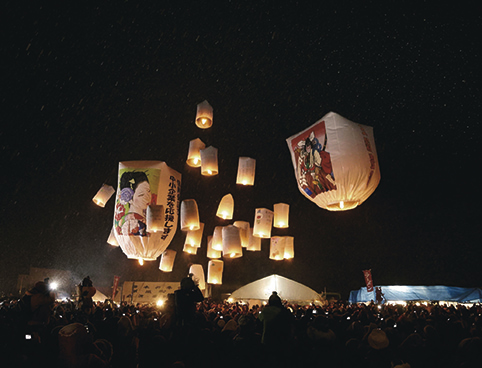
[[189, 215], [140, 184], [198, 275], [204, 115], [246, 171], [335, 161], [209, 161], [226, 207], [167, 260], [103, 195], [281, 215], [231, 242], [263, 221], [215, 271], [194, 154]]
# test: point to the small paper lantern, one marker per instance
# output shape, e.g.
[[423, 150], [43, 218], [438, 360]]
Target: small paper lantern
[[246, 171], [226, 207], [112, 239], [218, 238], [231, 242], [289, 247], [212, 253], [167, 260], [281, 215], [254, 242], [155, 218], [103, 195], [215, 271], [194, 237], [198, 275], [243, 227], [189, 215], [263, 221], [194, 155], [204, 115], [209, 161], [190, 249], [335, 162], [277, 248]]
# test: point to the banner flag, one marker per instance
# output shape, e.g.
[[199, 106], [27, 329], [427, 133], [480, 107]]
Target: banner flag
[[368, 280], [116, 284]]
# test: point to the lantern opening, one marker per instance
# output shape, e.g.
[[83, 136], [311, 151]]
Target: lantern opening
[[141, 261], [342, 205]]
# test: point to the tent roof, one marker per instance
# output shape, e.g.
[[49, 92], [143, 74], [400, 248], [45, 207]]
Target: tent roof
[[413, 293], [287, 290]]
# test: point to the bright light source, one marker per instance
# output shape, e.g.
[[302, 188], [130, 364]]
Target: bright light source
[[53, 285], [160, 303], [141, 261]]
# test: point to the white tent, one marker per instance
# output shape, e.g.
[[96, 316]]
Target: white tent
[[99, 297], [287, 289]]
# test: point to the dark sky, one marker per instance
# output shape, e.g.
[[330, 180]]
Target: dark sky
[[85, 87]]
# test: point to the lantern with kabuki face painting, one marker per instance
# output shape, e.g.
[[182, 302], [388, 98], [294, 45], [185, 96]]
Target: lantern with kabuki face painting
[[209, 161], [194, 237], [254, 241], [226, 207], [144, 183], [277, 248], [289, 247], [218, 238], [231, 242], [335, 161], [204, 115], [103, 195], [155, 218], [246, 171], [281, 215], [212, 253], [215, 271], [189, 215], [198, 275], [194, 155], [263, 222], [167, 260]]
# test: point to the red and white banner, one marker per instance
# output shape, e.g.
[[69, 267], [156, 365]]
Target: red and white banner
[[368, 280], [116, 283]]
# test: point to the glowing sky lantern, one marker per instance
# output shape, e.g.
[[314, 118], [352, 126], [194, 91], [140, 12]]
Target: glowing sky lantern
[[335, 161], [194, 237], [204, 115], [112, 240], [246, 171], [231, 242], [155, 218], [209, 161], [140, 184], [189, 215], [212, 253], [218, 238], [189, 248], [243, 227], [281, 215], [254, 242], [277, 248], [194, 154], [289, 247], [198, 275], [226, 207], [103, 195], [215, 271], [263, 221], [167, 260]]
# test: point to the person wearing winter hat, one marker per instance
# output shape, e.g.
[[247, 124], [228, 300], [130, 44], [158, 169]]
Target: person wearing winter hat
[[378, 339]]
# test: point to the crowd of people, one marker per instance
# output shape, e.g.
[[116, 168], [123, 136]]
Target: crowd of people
[[192, 331]]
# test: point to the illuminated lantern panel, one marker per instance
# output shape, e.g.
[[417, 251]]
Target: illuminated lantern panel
[[226, 207], [289, 247], [194, 237], [194, 154], [246, 171], [198, 275], [263, 221], [215, 271], [189, 215], [167, 260], [112, 240], [281, 215], [277, 248], [335, 162], [155, 218], [254, 242], [103, 195], [231, 242], [204, 115], [243, 227], [211, 253], [218, 238], [209, 161], [188, 248]]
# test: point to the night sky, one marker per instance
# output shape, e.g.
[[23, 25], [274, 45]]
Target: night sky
[[85, 87]]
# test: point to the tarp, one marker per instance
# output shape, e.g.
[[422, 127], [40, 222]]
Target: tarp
[[418, 293], [287, 289]]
